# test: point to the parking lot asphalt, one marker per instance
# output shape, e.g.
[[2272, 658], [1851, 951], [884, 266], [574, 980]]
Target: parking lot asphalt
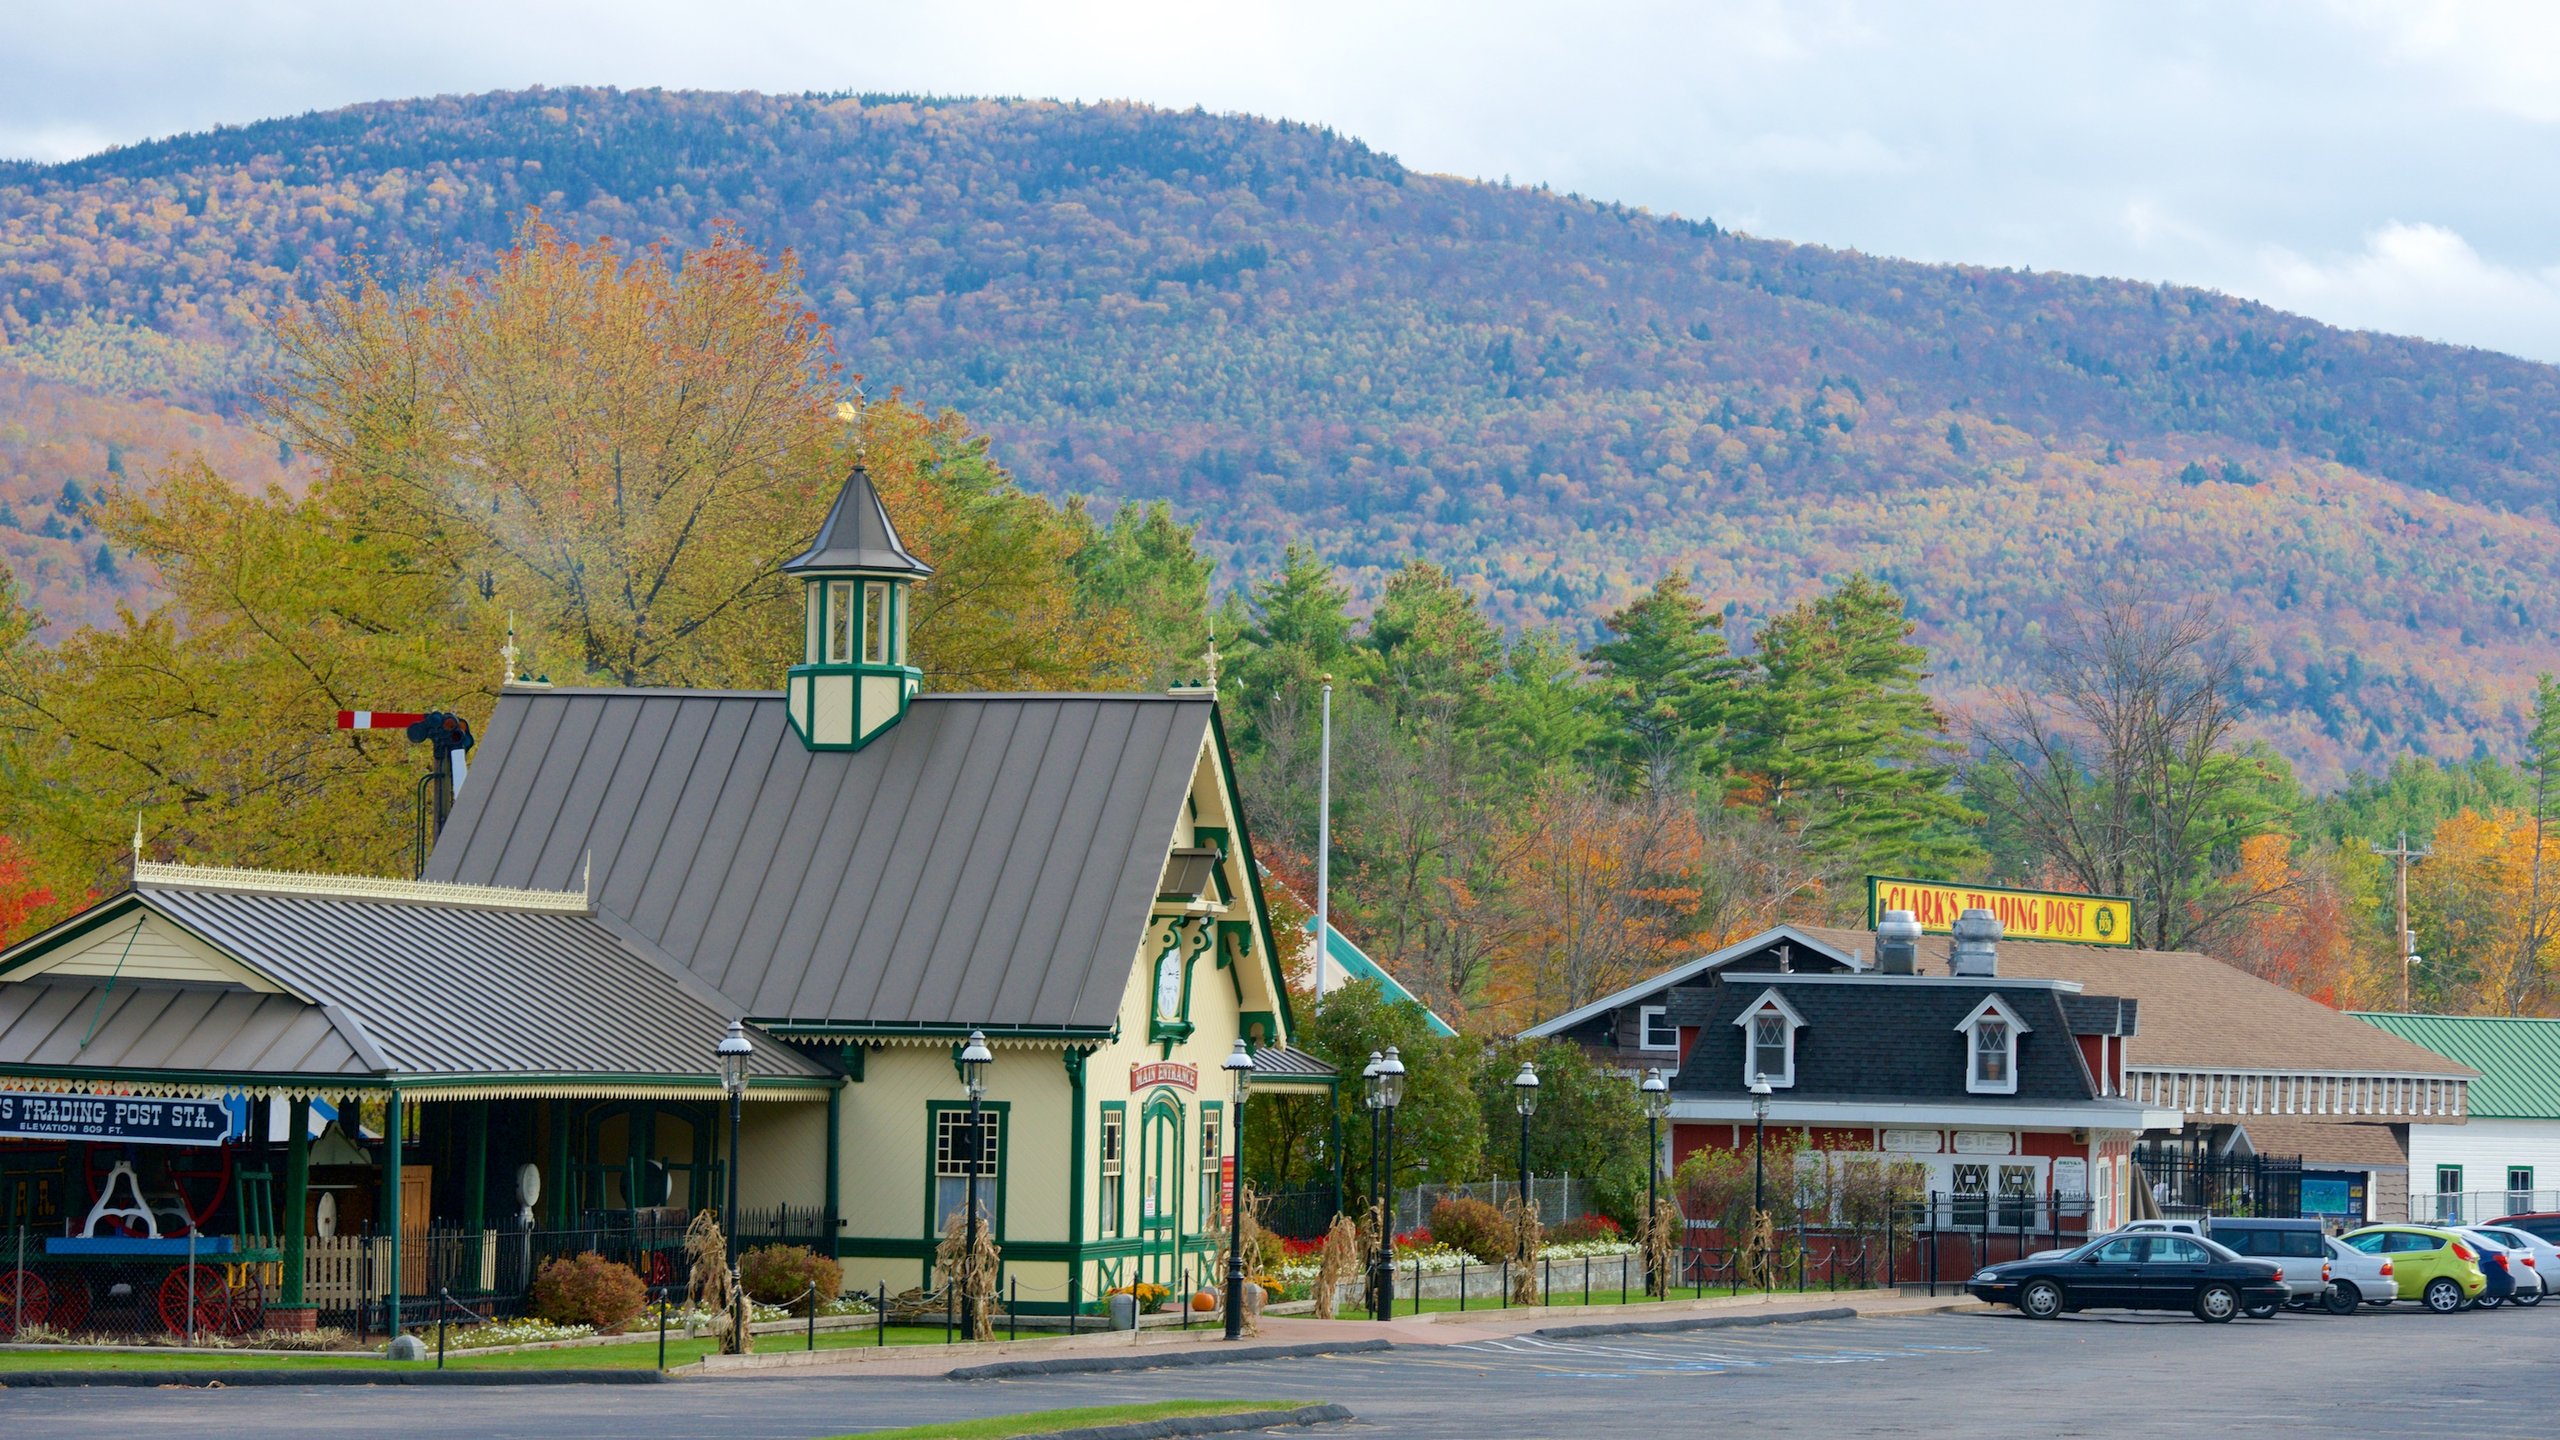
[[1975, 1375]]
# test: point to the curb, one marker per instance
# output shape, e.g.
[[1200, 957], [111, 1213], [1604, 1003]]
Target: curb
[[1203, 1424], [1167, 1360], [1692, 1322], [223, 1379]]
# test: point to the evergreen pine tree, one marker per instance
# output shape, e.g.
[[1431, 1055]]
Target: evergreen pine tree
[[1838, 742], [1668, 680]]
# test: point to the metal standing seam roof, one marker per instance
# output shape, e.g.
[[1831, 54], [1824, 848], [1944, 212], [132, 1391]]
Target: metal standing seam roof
[[44, 1022], [467, 990], [2518, 1059], [857, 535], [989, 860], [1355, 963], [394, 988]]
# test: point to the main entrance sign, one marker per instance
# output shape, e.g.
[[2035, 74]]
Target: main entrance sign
[[2024, 914], [129, 1119]]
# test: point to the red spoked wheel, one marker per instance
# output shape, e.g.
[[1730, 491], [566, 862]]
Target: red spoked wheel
[[201, 1177], [26, 1301], [658, 1267], [70, 1303], [219, 1307]]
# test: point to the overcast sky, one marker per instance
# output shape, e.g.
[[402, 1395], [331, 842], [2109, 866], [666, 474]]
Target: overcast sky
[[2392, 165]]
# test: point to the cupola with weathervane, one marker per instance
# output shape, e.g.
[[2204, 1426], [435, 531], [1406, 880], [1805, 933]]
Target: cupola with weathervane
[[853, 681]]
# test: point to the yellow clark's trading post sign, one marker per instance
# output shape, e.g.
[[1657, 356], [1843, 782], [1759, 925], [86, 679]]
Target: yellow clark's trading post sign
[[2024, 914]]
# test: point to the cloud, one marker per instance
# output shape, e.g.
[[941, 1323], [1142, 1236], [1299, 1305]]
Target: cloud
[[51, 142], [2423, 279], [2499, 56]]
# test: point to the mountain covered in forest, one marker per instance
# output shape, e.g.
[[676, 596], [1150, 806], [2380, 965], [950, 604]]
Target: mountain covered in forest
[[1294, 337]]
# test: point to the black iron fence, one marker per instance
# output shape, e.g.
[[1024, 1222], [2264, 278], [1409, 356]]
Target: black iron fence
[[2189, 1180]]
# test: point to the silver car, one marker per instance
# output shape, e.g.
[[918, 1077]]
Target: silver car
[[2356, 1278]]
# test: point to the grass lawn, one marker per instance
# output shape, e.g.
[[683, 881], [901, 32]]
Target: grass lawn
[[1041, 1422], [638, 1354], [1489, 1304]]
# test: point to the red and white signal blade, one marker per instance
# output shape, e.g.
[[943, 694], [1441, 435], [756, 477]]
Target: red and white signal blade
[[378, 719]]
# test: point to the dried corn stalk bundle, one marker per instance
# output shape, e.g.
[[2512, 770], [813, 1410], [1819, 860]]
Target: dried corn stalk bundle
[[1526, 1236], [1343, 1256], [977, 1276], [1662, 1233], [712, 1285]]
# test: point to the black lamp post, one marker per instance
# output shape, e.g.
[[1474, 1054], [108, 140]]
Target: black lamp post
[[1388, 1087], [1759, 1141], [1240, 1068], [733, 1051], [1524, 1098], [974, 1059], [1657, 1100]]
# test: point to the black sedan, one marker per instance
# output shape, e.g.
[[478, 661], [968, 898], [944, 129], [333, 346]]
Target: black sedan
[[2135, 1272]]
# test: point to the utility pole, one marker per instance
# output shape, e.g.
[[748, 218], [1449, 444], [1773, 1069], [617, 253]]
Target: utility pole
[[2408, 941]]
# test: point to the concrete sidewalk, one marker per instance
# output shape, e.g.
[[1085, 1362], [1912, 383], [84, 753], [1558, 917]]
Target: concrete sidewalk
[[1286, 1337]]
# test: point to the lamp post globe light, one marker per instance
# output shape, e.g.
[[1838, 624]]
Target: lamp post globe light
[[1239, 1068], [1368, 1100], [975, 1057], [733, 1051], [1657, 1103], [1524, 1098], [1759, 1140], [1390, 1093]]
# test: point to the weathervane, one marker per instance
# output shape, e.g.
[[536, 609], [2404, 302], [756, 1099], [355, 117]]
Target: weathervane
[[507, 654]]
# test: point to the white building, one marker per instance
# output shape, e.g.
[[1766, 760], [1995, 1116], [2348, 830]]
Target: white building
[[2506, 1159]]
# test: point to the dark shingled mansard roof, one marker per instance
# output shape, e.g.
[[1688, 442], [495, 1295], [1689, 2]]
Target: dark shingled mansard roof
[[991, 859], [1868, 1038]]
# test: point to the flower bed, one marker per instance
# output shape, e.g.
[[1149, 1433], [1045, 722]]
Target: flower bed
[[1443, 1260]]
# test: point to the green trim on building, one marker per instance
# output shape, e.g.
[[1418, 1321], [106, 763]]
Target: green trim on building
[[2518, 1059], [1253, 877], [1074, 1060], [933, 1109], [1114, 1225]]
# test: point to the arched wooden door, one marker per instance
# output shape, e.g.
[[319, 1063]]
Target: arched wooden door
[[1160, 1193]]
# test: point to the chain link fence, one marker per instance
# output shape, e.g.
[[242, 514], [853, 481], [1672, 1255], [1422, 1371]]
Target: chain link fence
[[1557, 1198]]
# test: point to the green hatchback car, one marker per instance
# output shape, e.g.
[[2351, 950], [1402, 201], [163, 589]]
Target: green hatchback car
[[2434, 1267]]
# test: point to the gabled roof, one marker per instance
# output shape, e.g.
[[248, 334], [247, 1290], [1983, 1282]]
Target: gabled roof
[[857, 535], [1354, 964], [990, 860], [387, 989], [2200, 1013], [2518, 1059], [1808, 943], [1877, 1038]]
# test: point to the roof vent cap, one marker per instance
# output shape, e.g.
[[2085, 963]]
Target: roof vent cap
[[1898, 944], [1977, 944]]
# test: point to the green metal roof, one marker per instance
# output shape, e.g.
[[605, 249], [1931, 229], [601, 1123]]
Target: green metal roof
[[2518, 1060], [1355, 962]]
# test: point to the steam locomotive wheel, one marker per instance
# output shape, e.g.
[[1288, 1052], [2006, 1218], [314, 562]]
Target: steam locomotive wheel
[[25, 1301], [70, 1304], [216, 1308]]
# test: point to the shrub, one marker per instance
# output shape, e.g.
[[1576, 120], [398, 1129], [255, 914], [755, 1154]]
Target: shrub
[[1585, 1230], [781, 1275], [588, 1290], [1473, 1226]]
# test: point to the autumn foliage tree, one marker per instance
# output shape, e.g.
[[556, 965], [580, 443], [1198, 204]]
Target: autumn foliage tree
[[613, 450]]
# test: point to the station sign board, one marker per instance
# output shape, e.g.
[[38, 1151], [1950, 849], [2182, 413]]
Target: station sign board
[[121, 1119], [2024, 914]]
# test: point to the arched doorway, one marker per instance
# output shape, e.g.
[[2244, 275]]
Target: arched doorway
[[1160, 1193]]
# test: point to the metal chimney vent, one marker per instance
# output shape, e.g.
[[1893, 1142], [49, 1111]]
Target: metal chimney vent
[[1898, 944], [1977, 944]]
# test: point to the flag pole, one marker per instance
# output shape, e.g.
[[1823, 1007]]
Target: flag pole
[[1324, 843]]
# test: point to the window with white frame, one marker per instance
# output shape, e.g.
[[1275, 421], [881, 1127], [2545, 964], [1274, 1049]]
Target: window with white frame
[[2449, 1193], [2520, 1187], [1769, 1027], [951, 1163], [1654, 1030], [1991, 1048]]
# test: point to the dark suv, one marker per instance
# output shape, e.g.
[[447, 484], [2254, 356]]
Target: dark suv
[[2543, 1223], [2293, 1244]]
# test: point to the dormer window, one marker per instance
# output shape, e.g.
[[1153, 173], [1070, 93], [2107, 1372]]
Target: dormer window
[[1769, 1025], [1991, 1048]]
